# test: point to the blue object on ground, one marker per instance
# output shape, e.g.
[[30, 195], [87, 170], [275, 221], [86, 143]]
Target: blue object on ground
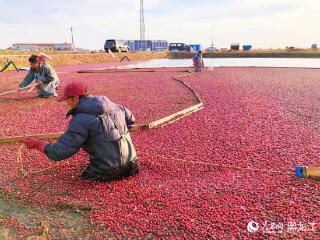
[[195, 47], [247, 47], [299, 171]]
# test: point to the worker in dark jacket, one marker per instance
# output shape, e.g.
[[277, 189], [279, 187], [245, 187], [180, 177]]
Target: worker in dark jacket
[[101, 128], [198, 61], [46, 77]]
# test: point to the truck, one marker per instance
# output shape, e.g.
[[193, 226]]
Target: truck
[[235, 46], [115, 45]]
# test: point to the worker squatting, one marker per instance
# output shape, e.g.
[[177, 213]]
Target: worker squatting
[[44, 74]]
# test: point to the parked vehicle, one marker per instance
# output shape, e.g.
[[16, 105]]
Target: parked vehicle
[[195, 47], [115, 46], [211, 49], [179, 47], [147, 45], [235, 46], [314, 46]]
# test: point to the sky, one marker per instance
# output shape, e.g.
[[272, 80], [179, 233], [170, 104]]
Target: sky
[[262, 23]]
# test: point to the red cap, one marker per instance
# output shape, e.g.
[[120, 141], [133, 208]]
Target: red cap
[[41, 58], [72, 90]]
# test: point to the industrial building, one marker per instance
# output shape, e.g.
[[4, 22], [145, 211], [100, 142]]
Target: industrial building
[[147, 45], [42, 46]]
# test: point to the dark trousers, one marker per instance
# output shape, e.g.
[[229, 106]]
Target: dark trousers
[[129, 169]]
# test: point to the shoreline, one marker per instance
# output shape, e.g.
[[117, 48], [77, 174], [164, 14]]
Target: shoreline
[[249, 54], [60, 59]]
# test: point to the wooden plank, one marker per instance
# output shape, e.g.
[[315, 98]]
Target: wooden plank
[[55, 136], [16, 139], [113, 71], [312, 171], [175, 115], [139, 127], [20, 89], [124, 70], [178, 118], [185, 75], [171, 118], [190, 88]]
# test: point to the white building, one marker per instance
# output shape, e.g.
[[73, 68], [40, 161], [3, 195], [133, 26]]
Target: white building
[[42, 46]]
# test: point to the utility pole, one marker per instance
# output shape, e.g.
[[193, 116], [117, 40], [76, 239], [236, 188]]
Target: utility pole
[[72, 39], [212, 42], [142, 25]]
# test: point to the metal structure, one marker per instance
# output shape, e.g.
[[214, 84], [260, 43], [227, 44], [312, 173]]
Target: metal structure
[[142, 25], [72, 38], [212, 43], [147, 45]]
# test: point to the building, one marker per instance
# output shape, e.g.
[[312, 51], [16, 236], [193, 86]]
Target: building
[[147, 45], [42, 46]]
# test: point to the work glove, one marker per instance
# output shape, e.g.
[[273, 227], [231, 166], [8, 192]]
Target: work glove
[[130, 126], [33, 143]]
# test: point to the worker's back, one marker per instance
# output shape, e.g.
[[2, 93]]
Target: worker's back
[[101, 129]]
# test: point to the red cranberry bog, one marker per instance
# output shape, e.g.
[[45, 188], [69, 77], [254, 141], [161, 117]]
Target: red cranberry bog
[[224, 172]]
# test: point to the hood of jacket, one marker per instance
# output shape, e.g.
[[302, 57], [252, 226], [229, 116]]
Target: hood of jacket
[[95, 105]]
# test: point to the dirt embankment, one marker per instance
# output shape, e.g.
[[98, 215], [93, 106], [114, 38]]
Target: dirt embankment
[[70, 58]]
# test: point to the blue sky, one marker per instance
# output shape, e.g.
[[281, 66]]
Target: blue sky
[[263, 23]]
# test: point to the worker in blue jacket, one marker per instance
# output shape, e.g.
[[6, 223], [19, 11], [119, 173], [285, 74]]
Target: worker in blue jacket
[[101, 128], [198, 61], [45, 76]]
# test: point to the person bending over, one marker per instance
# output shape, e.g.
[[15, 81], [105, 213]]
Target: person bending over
[[101, 128], [45, 76]]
